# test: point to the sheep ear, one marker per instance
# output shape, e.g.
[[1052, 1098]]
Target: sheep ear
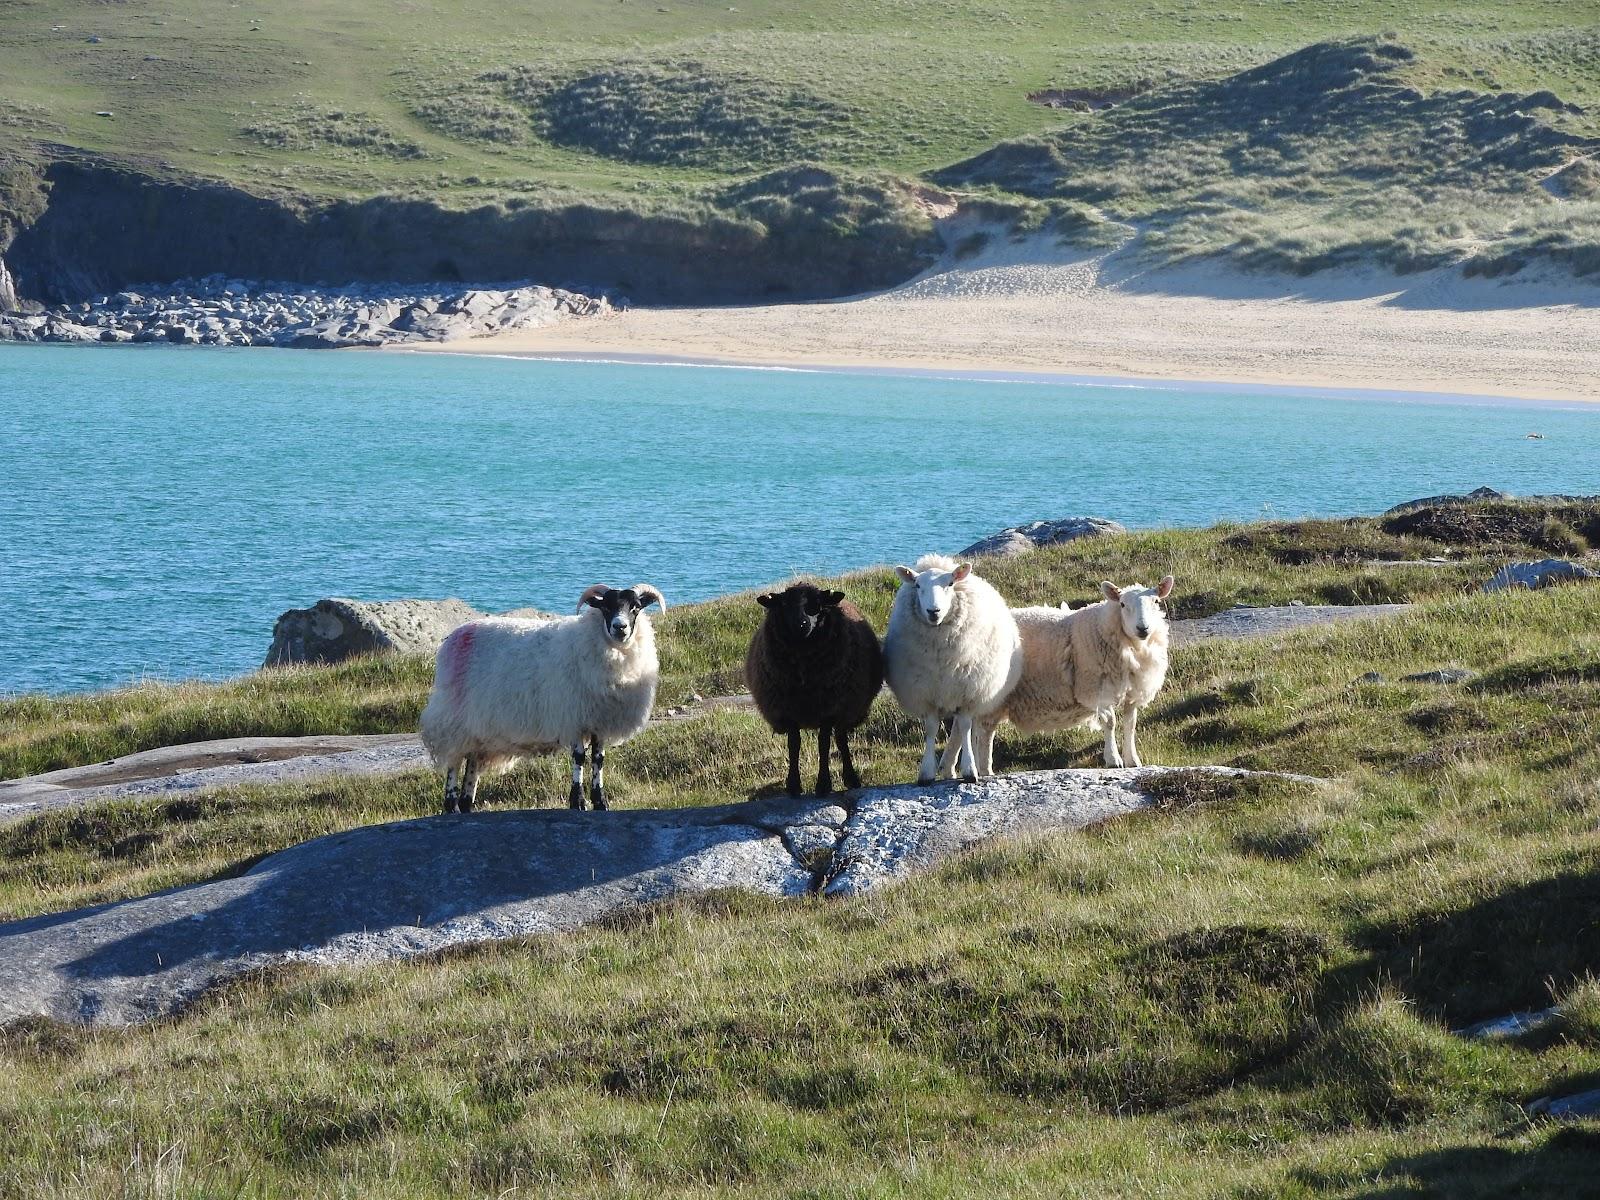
[[766, 599], [1065, 606], [831, 599], [593, 594], [961, 572], [1110, 590], [906, 573], [1164, 588], [648, 595]]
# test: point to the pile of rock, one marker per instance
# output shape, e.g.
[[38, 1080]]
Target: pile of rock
[[216, 311]]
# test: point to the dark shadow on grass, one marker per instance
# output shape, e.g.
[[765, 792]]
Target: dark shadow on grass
[[1497, 955], [1563, 1164]]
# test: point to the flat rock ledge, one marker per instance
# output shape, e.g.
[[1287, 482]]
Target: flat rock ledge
[[409, 888]]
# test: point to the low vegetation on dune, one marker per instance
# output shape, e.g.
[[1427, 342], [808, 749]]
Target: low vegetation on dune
[[1277, 136], [1329, 156], [674, 113]]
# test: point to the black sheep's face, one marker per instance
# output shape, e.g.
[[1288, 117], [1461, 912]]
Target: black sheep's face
[[800, 610], [619, 609]]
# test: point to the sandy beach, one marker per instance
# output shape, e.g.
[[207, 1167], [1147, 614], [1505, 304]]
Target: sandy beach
[[1031, 306]]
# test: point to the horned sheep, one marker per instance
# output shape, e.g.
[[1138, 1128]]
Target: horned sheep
[[506, 687], [1097, 666], [952, 651], [814, 663]]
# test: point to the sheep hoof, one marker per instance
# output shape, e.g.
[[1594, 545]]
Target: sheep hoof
[[575, 797], [969, 777], [597, 800], [824, 787], [925, 780], [792, 787], [852, 781]]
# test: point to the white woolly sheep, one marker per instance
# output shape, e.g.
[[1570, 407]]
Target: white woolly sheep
[[505, 687], [1097, 666], [951, 651]]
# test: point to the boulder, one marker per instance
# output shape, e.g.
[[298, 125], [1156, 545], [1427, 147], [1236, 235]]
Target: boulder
[[1544, 573], [336, 629], [1022, 539], [416, 887]]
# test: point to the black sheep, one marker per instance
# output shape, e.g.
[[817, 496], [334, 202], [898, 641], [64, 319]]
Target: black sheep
[[814, 663]]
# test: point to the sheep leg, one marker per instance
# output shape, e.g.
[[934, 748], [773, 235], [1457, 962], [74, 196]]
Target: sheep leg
[[824, 775], [963, 739], [1130, 724], [597, 781], [469, 785], [1109, 720], [575, 796], [930, 738], [792, 782], [847, 766], [452, 794], [983, 747]]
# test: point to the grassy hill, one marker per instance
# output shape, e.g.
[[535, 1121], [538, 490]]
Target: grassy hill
[[656, 107], [1248, 992]]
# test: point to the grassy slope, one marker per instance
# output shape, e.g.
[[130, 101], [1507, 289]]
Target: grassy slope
[[1246, 993], [331, 99]]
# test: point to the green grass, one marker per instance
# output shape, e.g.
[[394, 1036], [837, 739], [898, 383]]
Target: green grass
[[656, 106], [1247, 991]]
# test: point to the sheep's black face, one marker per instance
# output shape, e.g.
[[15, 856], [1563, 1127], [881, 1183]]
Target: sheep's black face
[[800, 610], [619, 610]]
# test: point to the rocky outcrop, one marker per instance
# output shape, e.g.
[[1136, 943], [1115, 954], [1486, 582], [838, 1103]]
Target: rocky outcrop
[[1243, 621], [335, 629], [193, 767], [1483, 495], [1022, 539], [1544, 573], [415, 887], [1476, 496], [234, 312]]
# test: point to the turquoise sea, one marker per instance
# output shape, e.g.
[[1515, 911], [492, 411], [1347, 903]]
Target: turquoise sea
[[159, 506]]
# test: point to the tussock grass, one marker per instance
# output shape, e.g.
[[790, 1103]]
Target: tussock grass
[[1247, 990]]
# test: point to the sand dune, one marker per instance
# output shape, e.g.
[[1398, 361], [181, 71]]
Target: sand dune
[[1033, 306]]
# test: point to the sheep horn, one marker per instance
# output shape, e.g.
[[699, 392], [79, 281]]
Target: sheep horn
[[648, 595], [593, 594]]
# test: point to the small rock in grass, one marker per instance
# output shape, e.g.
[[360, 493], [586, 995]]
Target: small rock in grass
[[1442, 675], [1513, 1026], [1583, 1104], [1370, 677], [1544, 573]]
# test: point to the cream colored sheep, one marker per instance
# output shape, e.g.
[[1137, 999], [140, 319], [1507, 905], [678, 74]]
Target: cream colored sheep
[[1096, 666]]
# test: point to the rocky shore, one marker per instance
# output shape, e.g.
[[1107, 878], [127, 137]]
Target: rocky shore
[[216, 311]]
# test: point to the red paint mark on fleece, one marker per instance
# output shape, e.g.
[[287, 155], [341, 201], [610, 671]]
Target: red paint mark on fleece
[[457, 654]]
